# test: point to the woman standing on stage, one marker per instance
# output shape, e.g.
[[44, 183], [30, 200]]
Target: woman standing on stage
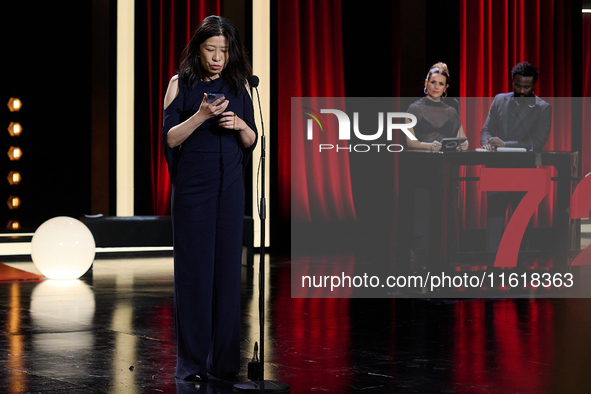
[[207, 142], [435, 121]]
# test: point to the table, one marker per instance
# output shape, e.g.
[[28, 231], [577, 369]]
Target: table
[[566, 164]]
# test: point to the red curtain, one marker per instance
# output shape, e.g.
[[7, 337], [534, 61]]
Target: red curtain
[[494, 36], [310, 60], [170, 25]]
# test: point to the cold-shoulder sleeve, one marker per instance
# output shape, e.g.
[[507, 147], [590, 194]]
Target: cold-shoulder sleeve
[[172, 117], [248, 117]]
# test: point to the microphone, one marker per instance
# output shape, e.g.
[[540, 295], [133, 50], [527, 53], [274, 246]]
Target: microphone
[[259, 363], [253, 81]]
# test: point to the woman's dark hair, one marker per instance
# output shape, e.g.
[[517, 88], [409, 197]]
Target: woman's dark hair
[[237, 69], [525, 69]]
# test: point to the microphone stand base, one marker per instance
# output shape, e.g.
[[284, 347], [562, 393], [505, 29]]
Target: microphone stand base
[[262, 386]]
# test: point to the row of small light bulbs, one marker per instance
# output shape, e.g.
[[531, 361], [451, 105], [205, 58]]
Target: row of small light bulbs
[[14, 154]]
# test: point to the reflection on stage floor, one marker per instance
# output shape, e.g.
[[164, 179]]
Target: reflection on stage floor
[[113, 332]]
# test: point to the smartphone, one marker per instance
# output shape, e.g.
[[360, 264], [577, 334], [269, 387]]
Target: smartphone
[[211, 97]]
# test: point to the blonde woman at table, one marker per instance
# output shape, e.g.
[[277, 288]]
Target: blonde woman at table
[[435, 120]]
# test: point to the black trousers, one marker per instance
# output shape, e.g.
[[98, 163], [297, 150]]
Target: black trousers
[[207, 269]]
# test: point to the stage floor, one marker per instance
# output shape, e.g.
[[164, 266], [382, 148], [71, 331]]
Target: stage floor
[[113, 332]]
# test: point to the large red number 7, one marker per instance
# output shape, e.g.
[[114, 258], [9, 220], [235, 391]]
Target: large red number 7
[[534, 181], [579, 209]]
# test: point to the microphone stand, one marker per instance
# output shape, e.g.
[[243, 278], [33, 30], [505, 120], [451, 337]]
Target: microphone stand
[[261, 385]]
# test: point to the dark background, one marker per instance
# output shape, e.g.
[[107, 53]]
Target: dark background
[[47, 63]]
